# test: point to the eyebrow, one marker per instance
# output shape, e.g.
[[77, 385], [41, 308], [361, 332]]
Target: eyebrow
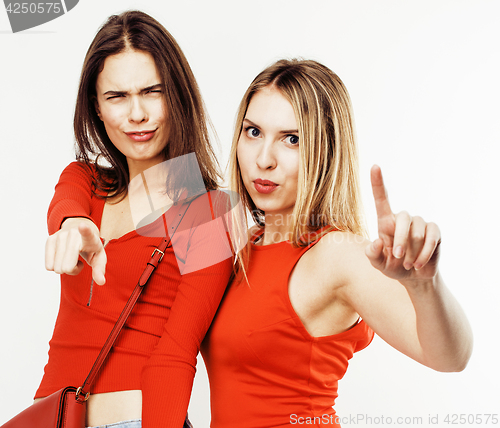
[[285, 131], [149, 88]]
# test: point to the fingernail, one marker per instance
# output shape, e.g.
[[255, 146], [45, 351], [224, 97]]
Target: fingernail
[[398, 252], [407, 266], [417, 266]]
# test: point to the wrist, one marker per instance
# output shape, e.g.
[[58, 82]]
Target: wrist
[[421, 284], [74, 222]]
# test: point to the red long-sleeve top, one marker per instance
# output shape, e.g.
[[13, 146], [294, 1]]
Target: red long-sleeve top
[[156, 351]]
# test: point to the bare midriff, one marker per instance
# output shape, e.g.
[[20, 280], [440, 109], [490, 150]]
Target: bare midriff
[[111, 407]]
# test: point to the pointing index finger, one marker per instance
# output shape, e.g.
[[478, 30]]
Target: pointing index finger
[[380, 193], [90, 242]]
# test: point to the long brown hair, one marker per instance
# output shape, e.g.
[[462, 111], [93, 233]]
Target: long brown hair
[[188, 120], [328, 184]]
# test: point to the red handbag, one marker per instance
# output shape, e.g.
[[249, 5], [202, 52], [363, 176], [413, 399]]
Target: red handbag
[[67, 407], [59, 410]]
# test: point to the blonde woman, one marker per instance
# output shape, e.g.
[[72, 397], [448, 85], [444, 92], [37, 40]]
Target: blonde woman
[[312, 290]]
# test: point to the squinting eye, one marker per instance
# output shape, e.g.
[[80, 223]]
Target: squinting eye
[[252, 132], [293, 139]]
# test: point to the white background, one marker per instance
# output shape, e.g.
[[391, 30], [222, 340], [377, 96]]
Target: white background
[[424, 80]]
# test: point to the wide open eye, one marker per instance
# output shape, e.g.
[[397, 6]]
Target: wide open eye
[[292, 139], [252, 132]]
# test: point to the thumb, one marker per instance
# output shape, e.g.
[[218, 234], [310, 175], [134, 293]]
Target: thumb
[[375, 253]]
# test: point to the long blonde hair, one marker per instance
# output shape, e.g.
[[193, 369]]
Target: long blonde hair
[[328, 184]]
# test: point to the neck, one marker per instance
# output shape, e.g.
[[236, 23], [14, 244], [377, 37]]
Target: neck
[[135, 168], [277, 228], [152, 185]]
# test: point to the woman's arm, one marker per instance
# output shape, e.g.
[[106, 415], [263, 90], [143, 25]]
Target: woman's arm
[[168, 375], [72, 196], [397, 288], [421, 319], [77, 237], [72, 230]]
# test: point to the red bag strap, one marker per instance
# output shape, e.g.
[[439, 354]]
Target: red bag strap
[[83, 392]]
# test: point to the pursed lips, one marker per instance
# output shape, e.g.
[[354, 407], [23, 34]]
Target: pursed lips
[[141, 135], [264, 186]]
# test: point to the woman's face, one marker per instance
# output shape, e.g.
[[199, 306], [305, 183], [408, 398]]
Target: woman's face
[[268, 152], [131, 105]]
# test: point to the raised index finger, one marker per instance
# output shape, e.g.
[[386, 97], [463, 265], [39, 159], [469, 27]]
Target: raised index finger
[[379, 193]]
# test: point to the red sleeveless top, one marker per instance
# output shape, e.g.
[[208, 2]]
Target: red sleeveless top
[[265, 369]]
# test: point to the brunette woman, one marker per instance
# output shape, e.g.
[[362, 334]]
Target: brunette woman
[[138, 110]]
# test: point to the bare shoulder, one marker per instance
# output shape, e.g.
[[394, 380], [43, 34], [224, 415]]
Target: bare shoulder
[[335, 257], [341, 248]]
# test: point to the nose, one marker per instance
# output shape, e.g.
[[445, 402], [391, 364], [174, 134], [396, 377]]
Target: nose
[[138, 113], [266, 158]]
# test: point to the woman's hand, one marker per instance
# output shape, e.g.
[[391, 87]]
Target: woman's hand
[[77, 237], [407, 247]]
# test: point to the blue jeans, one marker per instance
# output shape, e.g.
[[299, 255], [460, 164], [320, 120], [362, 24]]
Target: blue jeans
[[136, 424]]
